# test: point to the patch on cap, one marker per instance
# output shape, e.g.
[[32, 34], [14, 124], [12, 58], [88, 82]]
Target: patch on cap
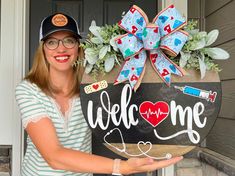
[[59, 20]]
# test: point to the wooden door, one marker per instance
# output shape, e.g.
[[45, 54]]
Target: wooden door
[[84, 11]]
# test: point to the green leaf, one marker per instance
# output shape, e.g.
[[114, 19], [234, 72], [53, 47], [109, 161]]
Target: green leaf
[[91, 55], [183, 59], [93, 23], [198, 44], [202, 68], [217, 53], [116, 59], [113, 43], [103, 51], [88, 68], [95, 30], [212, 36], [202, 34], [109, 63], [96, 40], [193, 32]]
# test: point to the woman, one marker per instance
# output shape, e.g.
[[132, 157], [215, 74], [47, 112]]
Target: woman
[[59, 141]]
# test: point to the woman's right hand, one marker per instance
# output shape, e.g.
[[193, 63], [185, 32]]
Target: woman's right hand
[[139, 165]]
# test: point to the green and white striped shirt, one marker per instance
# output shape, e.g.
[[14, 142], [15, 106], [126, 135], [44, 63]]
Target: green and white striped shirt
[[72, 130]]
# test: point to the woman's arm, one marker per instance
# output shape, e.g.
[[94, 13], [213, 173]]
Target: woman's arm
[[44, 137]]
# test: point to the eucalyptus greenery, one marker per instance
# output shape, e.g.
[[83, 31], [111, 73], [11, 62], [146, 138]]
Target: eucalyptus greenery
[[102, 54], [197, 52]]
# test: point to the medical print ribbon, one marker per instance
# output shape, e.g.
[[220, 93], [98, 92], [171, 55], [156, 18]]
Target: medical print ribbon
[[161, 36]]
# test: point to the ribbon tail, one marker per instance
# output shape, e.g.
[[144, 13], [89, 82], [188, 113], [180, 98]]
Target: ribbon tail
[[139, 80], [164, 66], [132, 70], [123, 73]]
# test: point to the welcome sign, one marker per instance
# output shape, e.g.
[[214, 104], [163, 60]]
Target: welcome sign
[[156, 120], [150, 106]]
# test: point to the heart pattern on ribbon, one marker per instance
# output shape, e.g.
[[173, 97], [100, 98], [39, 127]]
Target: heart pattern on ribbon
[[162, 34], [154, 113]]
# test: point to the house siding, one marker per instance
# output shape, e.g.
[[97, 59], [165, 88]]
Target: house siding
[[220, 15], [217, 159]]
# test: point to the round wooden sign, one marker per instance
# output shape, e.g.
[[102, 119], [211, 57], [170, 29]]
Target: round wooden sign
[[157, 120]]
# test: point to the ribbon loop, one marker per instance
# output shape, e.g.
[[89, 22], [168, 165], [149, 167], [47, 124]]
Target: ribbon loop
[[151, 37], [129, 45], [169, 20], [173, 43], [163, 34], [134, 21]]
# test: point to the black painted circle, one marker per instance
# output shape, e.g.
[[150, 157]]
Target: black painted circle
[[154, 93]]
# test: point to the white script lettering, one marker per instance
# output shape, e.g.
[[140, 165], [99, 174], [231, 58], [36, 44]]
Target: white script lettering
[[192, 116], [127, 117]]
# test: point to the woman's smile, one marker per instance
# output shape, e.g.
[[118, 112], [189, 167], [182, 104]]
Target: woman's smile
[[62, 58]]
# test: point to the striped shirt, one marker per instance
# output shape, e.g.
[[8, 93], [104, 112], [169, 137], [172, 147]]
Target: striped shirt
[[72, 131]]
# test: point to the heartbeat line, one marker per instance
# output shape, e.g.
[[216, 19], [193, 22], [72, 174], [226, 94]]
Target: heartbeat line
[[157, 113]]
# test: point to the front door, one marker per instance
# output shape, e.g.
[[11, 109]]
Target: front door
[[84, 11]]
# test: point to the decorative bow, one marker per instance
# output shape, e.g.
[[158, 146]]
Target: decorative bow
[[162, 35]]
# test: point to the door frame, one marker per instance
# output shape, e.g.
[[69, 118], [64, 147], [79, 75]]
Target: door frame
[[14, 51], [20, 41]]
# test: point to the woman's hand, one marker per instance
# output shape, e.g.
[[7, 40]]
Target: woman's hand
[[138, 165]]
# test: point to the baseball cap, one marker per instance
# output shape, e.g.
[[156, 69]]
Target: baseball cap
[[58, 22]]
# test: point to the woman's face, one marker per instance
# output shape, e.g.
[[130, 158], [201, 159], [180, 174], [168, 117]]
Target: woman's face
[[61, 50]]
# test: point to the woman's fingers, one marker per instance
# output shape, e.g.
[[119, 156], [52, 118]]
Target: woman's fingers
[[137, 165], [168, 162], [138, 162]]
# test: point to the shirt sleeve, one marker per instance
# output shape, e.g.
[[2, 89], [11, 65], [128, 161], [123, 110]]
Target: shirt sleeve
[[31, 109]]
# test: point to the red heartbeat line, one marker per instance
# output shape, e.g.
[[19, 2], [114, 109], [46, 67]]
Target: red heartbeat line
[[157, 113]]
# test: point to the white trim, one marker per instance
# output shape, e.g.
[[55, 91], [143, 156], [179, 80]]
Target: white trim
[[168, 171], [181, 5], [6, 72], [14, 54], [20, 57]]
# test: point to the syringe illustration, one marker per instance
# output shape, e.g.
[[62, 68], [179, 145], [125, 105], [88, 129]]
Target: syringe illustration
[[195, 92]]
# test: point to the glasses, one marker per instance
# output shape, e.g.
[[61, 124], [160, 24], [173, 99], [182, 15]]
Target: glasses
[[53, 43]]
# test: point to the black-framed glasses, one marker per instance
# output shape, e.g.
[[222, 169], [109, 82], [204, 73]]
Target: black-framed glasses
[[53, 43]]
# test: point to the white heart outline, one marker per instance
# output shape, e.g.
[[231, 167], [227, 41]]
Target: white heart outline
[[145, 144]]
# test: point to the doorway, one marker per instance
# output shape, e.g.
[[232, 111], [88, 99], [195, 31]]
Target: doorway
[[84, 11]]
